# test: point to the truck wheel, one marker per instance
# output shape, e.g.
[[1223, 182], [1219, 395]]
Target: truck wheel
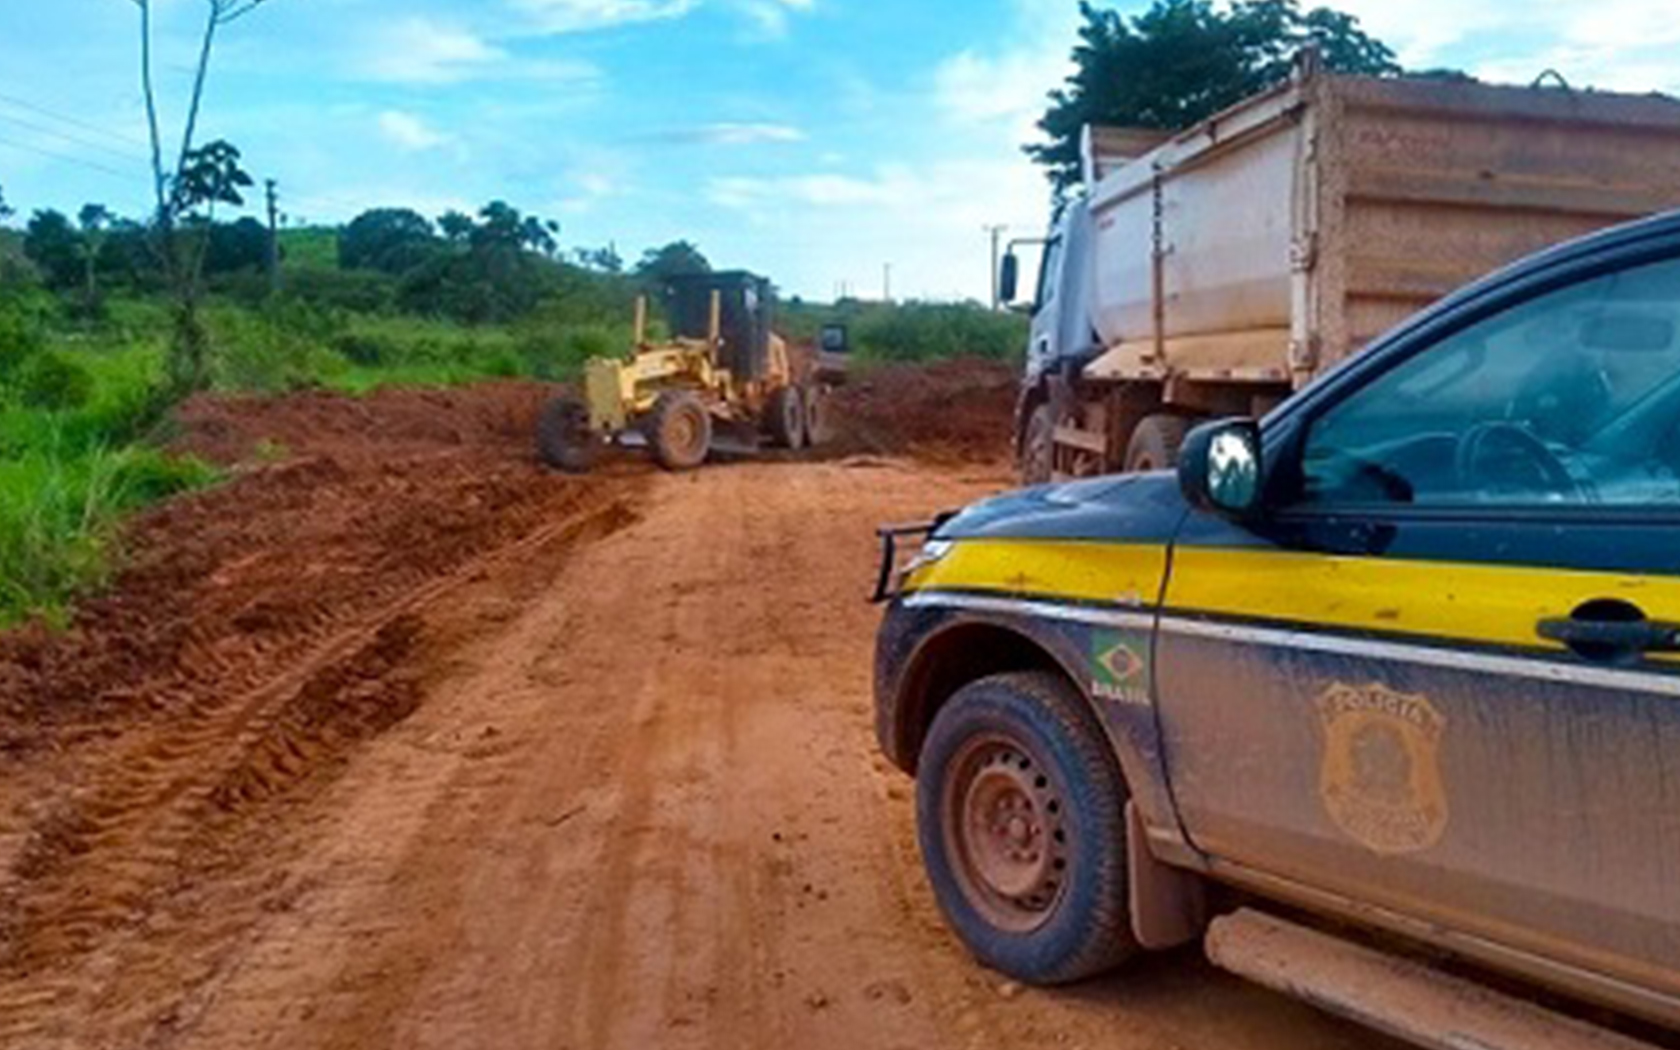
[[784, 418], [680, 430], [564, 439], [1155, 443], [816, 416], [1020, 814], [1038, 447]]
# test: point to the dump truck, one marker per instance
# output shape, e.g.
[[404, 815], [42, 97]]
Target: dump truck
[[1217, 270]]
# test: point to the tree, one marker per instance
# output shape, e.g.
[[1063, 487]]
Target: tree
[[53, 245], [390, 240], [5, 209], [456, 226], [199, 178], [94, 219], [601, 260], [235, 246], [676, 259], [1182, 61]]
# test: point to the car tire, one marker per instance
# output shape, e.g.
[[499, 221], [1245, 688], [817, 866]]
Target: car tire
[[564, 438], [784, 418], [1155, 443], [1038, 446], [1020, 815], [679, 429]]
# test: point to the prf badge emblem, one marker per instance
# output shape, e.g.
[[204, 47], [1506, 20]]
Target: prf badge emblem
[[1381, 778], [1119, 669]]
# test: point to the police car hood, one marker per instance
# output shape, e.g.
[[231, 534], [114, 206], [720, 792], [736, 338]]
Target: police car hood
[[1130, 507]]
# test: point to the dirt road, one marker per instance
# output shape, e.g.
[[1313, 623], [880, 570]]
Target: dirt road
[[610, 785]]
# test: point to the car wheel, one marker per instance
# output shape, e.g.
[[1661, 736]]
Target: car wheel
[[1020, 815]]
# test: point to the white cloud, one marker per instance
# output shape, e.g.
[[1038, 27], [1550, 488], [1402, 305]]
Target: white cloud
[[1007, 88], [575, 16], [409, 132], [1613, 44], [727, 133], [771, 16], [421, 50]]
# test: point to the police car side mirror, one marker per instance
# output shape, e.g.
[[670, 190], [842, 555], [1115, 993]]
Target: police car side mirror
[[1219, 468], [1009, 278]]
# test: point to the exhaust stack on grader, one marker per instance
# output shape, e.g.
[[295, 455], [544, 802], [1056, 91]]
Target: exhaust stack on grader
[[723, 373]]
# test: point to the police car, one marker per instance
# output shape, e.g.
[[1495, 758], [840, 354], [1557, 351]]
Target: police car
[[1405, 655]]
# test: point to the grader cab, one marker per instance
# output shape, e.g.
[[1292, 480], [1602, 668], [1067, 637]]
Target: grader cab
[[723, 378]]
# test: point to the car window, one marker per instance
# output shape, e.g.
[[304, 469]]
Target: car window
[[1569, 398]]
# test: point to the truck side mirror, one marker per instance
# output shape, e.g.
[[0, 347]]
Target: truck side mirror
[[1009, 278], [1219, 468]]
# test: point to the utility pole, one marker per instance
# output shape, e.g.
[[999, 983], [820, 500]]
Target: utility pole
[[886, 282], [996, 233], [273, 237]]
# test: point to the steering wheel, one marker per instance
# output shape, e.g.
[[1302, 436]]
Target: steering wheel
[[1486, 444]]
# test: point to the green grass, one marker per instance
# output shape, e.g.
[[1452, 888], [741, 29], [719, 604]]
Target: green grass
[[59, 517]]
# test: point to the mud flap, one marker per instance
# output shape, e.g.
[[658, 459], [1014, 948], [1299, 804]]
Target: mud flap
[[1168, 905]]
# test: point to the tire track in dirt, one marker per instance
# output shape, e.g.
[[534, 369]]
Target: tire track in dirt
[[186, 799]]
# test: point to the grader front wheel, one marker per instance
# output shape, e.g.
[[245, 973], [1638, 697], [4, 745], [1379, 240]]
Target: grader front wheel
[[564, 439], [680, 431]]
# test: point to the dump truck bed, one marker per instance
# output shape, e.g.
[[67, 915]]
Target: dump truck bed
[[1284, 234]]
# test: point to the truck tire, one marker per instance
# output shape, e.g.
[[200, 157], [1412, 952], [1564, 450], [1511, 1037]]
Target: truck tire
[[564, 439], [1020, 815], [1155, 443], [784, 418], [680, 430], [1038, 448], [816, 416]]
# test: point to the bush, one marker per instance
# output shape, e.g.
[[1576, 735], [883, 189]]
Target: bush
[[51, 381], [58, 518], [555, 354], [926, 332]]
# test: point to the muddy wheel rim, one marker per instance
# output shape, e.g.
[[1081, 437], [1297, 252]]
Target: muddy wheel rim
[[1003, 827], [684, 432]]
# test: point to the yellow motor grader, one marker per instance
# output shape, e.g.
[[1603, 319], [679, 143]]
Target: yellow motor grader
[[723, 375]]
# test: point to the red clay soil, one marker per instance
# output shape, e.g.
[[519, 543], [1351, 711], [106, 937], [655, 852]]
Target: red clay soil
[[950, 411], [372, 497]]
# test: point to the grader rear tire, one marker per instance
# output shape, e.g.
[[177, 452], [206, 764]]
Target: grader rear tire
[[784, 418], [564, 440], [680, 430], [816, 416]]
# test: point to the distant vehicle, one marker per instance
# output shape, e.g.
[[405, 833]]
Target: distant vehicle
[[723, 373], [1221, 269], [1404, 657]]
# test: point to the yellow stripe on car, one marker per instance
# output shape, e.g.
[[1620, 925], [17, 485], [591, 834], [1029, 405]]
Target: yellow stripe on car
[[1489, 604], [1483, 604], [1122, 574]]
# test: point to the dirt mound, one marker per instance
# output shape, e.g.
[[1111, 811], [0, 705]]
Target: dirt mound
[[232, 429], [259, 633], [951, 411]]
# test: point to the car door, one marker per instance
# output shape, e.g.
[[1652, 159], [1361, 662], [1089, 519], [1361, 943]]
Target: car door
[[1439, 675]]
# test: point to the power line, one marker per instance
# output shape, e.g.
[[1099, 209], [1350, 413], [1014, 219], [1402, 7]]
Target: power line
[[68, 137], [32, 107], [69, 159]]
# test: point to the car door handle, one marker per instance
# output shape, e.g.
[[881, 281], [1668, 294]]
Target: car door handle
[[1612, 639]]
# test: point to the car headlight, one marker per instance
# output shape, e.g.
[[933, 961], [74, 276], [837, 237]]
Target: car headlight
[[931, 552]]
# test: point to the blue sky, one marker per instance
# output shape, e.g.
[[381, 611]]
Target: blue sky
[[816, 141]]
